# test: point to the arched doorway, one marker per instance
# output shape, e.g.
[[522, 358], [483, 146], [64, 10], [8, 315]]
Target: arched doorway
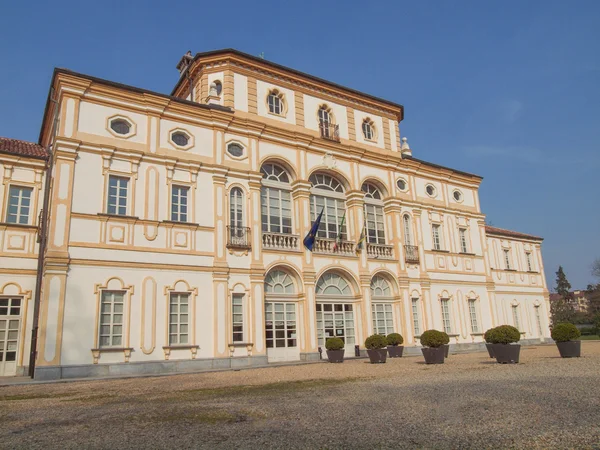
[[281, 317], [335, 311]]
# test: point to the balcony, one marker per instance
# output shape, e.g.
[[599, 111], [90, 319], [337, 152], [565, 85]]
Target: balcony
[[411, 254], [278, 241], [238, 237], [330, 131], [380, 251], [323, 245]]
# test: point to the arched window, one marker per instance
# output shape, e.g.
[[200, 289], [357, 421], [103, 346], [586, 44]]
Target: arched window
[[373, 214], [275, 102], [327, 195], [333, 284], [218, 87], [236, 208], [380, 287], [279, 282], [275, 198], [326, 125], [408, 240], [368, 129]]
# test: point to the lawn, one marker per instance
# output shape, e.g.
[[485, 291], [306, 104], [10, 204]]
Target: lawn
[[593, 337]]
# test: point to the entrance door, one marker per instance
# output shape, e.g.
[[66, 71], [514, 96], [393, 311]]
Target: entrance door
[[281, 331], [336, 320], [10, 330]]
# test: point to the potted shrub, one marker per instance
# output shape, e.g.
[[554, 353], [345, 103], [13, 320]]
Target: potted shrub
[[394, 345], [433, 346], [446, 343], [376, 344], [335, 350], [566, 336], [506, 349], [488, 342]]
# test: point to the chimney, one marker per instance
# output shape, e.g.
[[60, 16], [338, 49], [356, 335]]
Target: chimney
[[405, 148]]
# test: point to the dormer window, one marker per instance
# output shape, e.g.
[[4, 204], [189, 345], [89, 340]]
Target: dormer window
[[368, 129], [276, 103]]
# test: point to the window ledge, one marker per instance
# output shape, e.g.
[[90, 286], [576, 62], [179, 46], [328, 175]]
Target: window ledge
[[241, 344], [440, 251], [532, 271], [453, 335], [477, 334], [468, 254], [118, 216], [180, 347], [176, 222], [510, 270], [18, 225], [97, 351]]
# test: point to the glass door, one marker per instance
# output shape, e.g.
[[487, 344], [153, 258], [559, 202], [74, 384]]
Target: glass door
[[336, 320], [10, 330], [281, 331]]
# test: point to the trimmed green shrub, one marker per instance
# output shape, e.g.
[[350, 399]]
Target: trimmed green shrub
[[375, 341], [446, 337], [564, 332], [588, 331], [487, 335], [432, 338], [504, 334], [394, 339], [334, 343]]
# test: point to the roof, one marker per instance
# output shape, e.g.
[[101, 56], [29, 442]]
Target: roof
[[22, 148], [410, 158], [509, 233], [262, 61], [59, 70]]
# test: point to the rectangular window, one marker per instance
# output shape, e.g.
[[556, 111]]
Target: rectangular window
[[435, 231], [507, 259], [464, 248], [538, 319], [117, 195], [415, 315], [446, 315], [515, 312], [473, 315], [529, 263], [19, 203], [375, 231], [276, 210], [237, 302], [10, 326], [179, 203], [383, 322], [111, 319], [179, 319]]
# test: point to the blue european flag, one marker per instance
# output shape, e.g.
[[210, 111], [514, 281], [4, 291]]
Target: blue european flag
[[309, 240]]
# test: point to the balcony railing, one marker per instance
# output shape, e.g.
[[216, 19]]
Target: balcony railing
[[411, 254], [323, 245], [238, 237], [380, 251], [278, 241], [330, 131]]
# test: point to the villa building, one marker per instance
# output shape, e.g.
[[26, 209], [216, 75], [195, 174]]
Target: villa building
[[176, 227]]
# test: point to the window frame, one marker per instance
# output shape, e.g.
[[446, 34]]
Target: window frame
[[111, 323], [238, 327], [20, 198], [436, 236], [237, 144], [433, 188], [178, 333], [446, 315], [473, 315], [368, 127], [132, 126], [462, 238], [276, 94], [388, 317], [274, 195], [529, 262], [333, 202], [239, 220], [373, 207], [176, 215], [117, 206], [507, 258], [516, 318], [416, 315]]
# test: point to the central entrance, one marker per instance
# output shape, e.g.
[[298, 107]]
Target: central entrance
[[335, 311], [281, 317]]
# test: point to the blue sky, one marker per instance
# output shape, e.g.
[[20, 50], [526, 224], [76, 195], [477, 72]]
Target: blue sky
[[507, 90]]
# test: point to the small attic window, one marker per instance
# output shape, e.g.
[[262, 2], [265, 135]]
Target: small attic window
[[219, 87], [180, 138], [120, 126]]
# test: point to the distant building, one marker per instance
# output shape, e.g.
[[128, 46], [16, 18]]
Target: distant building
[[177, 221], [580, 299]]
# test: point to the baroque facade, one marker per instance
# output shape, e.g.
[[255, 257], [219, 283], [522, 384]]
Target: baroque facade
[[175, 228]]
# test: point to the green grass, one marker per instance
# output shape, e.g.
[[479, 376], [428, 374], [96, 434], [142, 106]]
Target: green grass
[[593, 337], [10, 398]]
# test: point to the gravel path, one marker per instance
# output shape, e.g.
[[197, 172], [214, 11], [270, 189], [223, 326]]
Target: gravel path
[[469, 402]]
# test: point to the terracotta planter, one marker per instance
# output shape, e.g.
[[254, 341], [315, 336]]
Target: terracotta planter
[[446, 350], [395, 351], [490, 349], [335, 356], [569, 349], [433, 355], [507, 353], [377, 355]]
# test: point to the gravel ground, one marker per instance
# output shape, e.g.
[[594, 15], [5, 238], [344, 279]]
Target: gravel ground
[[469, 402]]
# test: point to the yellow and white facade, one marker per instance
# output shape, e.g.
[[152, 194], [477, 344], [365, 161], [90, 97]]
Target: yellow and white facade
[[176, 228]]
